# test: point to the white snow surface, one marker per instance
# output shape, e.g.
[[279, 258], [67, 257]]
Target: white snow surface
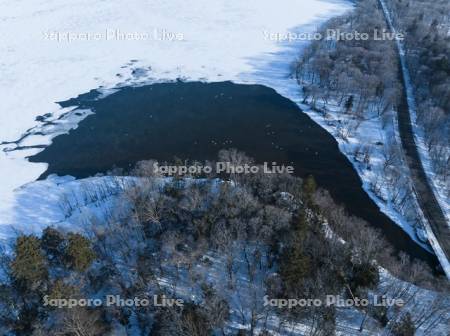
[[69, 204], [217, 40]]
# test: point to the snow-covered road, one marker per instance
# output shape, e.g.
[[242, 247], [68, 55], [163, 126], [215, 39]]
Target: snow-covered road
[[434, 212]]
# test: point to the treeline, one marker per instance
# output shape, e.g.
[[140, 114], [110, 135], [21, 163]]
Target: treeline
[[426, 26], [360, 75], [358, 80], [219, 246]]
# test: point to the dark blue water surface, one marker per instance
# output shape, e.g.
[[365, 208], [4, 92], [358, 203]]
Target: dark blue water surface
[[194, 121]]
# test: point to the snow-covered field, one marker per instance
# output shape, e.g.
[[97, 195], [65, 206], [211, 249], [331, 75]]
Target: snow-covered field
[[51, 51]]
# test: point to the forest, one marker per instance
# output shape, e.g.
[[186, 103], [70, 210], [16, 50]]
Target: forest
[[220, 247], [361, 76], [427, 40]]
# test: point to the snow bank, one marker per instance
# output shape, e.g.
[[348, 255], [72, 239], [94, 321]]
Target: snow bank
[[69, 204]]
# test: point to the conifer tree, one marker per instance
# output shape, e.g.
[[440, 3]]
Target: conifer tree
[[29, 266], [79, 254]]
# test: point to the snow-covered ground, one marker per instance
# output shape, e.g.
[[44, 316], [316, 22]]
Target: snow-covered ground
[[375, 182], [51, 51], [68, 204], [75, 204], [438, 190]]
